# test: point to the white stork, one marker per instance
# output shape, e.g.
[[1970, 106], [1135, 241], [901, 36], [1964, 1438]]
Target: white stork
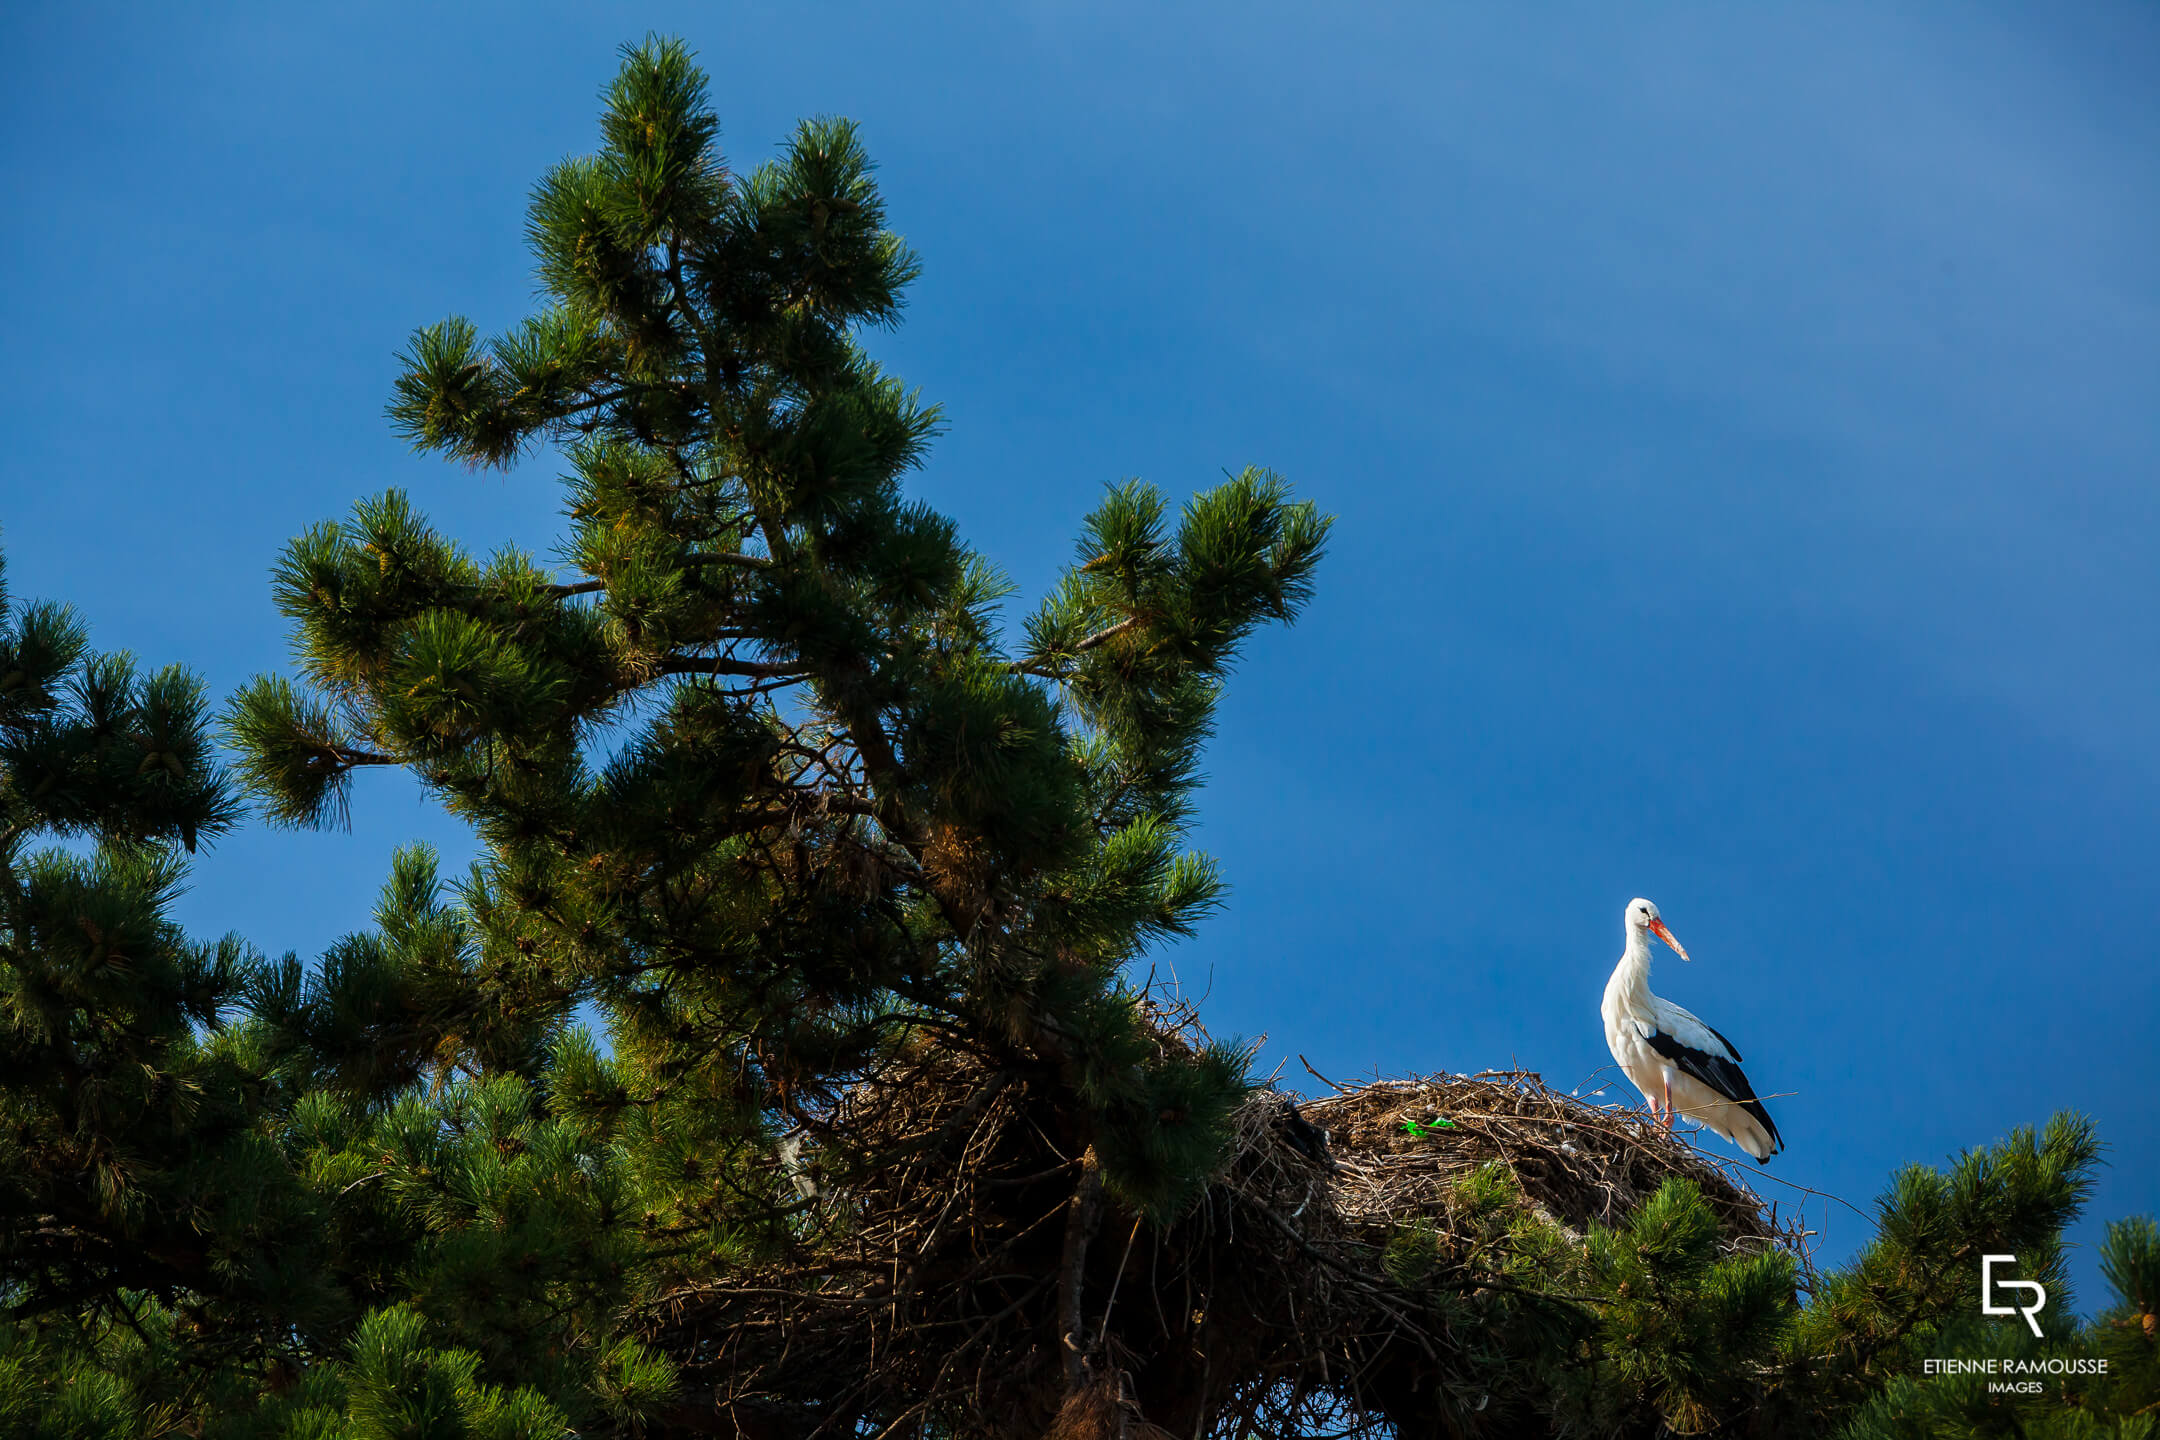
[[1679, 1063]]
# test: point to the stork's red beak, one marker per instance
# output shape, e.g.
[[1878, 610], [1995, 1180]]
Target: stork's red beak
[[1657, 928]]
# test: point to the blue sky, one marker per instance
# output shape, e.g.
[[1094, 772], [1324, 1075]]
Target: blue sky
[[1742, 423]]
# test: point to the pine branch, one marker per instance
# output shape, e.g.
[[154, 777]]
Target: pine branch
[[727, 557], [1052, 669], [720, 665], [346, 757], [1106, 635]]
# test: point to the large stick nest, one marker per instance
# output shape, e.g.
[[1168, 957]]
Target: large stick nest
[[927, 1296]]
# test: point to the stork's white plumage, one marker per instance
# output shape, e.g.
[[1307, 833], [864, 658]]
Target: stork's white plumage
[[1679, 1063]]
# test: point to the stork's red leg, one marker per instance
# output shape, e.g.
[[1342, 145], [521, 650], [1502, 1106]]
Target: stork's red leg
[[1668, 1104]]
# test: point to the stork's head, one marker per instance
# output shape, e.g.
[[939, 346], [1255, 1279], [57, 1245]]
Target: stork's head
[[1642, 918]]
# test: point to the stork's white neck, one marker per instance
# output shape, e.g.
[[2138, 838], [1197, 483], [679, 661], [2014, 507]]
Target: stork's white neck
[[1631, 977]]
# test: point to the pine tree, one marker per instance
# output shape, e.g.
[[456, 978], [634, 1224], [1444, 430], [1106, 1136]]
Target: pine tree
[[763, 783], [2076, 1382], [1876, 1317], [225, 1206], [121, 1117]]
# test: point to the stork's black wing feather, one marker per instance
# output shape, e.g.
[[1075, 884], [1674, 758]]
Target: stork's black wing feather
[[1719, 1073], [1735, 1049]]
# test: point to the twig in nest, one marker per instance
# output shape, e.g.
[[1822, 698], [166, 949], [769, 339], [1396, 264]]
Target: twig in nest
[[1119, 1278]]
